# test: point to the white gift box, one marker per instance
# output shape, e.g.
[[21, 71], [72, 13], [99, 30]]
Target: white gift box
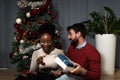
[[64, 62], [49, 61]]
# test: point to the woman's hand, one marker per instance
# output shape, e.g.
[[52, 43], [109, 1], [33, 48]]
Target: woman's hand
[[40, 60], [34, 72], [56, 73]]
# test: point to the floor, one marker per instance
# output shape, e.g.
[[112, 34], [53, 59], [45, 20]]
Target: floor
[[11, 74], [115, 76]]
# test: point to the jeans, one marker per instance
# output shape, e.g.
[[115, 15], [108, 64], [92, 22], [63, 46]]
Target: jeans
[[69, 77]]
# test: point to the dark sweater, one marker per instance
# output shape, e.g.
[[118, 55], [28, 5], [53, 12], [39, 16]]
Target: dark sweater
[[89, 58]]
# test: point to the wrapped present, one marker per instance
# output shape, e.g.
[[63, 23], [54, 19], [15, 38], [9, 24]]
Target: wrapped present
[[49, 61], [64, 62]]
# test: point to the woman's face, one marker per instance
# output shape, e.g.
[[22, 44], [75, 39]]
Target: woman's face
[[46, 42]]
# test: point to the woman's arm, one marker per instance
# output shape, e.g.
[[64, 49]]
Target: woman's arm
[[33, 65]]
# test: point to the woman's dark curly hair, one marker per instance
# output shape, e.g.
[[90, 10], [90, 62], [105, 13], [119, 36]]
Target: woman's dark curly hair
[[47, 28]]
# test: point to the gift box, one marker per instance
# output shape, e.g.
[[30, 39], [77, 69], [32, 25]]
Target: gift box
[[49, 61], [64, 62]]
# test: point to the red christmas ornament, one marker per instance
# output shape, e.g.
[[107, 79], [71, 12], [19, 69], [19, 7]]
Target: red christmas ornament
[[53, 17], [20, 31], [35, 12], [19, 37], [11, 55], [49, 12], [24, 21], [37, 33], [16, 26], [38, 11], [32, 13], [45, 6], [26, 71]]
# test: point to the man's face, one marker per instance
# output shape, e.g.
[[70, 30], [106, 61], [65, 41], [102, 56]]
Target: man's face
[[72, 36]]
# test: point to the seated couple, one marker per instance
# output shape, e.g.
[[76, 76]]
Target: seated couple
[[84, 55]]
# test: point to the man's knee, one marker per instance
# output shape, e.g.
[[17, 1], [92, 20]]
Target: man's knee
[[63, 77], [69, 77]]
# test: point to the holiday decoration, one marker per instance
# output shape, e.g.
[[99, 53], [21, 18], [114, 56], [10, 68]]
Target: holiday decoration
[[18, 21], [32, 14], [28, 14]]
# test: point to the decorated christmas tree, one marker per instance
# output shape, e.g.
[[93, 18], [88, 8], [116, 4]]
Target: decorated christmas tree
[[32, 14]]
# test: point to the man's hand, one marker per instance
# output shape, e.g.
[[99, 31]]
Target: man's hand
[[40, 60], [78, 70]]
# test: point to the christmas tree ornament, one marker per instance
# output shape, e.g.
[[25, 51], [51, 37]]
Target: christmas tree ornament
[[26, 71], [19, 37], [25, 57], [49, 12], [11, 55], [53, 17], [19, 31], [18, 21], [28, 14], [32, 13], [21, 41], [24, 21], [16, 25]]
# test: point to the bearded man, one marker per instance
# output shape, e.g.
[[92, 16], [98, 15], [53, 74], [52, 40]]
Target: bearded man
[[83, 54]]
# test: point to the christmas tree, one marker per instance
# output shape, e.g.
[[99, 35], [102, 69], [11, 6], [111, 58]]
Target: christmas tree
[[32, 14]]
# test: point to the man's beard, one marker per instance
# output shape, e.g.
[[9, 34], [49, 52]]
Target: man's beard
[[74, 42]]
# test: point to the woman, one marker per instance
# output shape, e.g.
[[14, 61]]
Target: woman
[[43, 65]]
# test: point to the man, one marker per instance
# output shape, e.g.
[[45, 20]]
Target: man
[[85, 56]]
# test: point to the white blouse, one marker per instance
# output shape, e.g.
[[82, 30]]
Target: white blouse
[[49, 59]]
